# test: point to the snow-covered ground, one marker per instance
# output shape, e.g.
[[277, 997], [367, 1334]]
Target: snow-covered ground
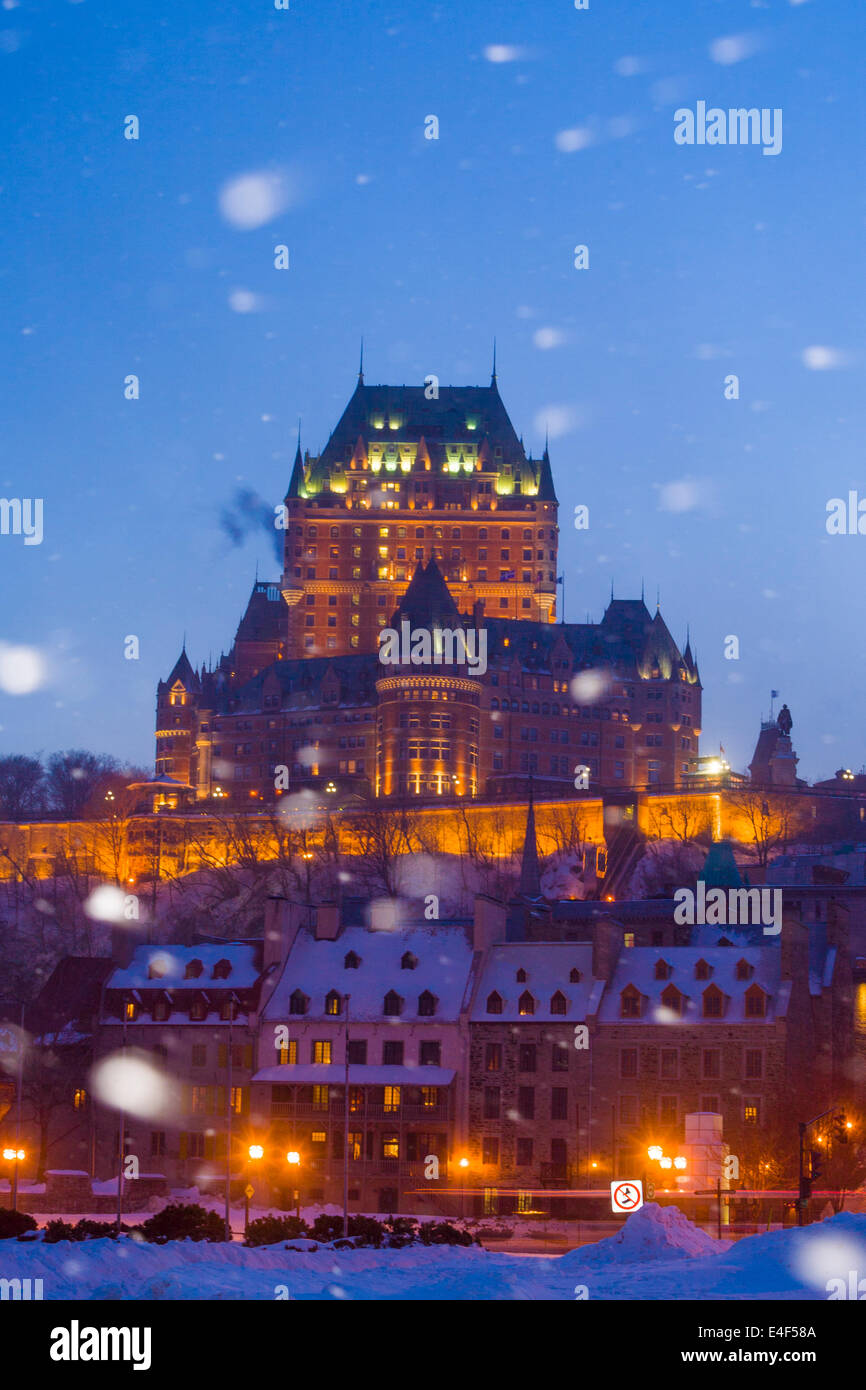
[[657, 1255]]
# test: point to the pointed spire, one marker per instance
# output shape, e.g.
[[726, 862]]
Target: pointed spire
[[493, 373], [530, 873], [361, 366], [611, 590], [658, 598], [642, 594]]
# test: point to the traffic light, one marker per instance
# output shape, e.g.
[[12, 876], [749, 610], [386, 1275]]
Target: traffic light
[[817, 1160], [840, 1127]]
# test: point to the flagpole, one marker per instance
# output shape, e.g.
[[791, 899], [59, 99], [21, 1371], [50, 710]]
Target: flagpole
[[346, 1127]]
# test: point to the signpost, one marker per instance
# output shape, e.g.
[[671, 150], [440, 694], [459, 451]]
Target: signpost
[[626, 1195]]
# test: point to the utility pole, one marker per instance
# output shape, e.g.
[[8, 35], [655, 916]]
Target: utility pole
[[228, 1214], [18, 1100], [346, 999], [121, 1137]]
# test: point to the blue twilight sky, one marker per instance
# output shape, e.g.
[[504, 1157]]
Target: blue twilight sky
[[555, 128]]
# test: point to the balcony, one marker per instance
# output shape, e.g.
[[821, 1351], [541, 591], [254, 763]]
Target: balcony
[[335, 1112]]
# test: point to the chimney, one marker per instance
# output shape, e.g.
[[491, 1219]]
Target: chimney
[[327, 921], [282, 921], [795, 949], [125, 937], [488, 922], [607, 943]]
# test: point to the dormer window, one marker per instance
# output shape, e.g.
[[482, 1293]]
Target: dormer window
[[408, 961], [526, 1004], [130, 1010], [393, 1005], [574, 976], [630, 1002], [333, 1003], [744, 971], [197, 1011], [193, 970], [703, 970], [298, 1003], [157, 968], [161, 1010], [663, 970], [494, 1003], [558, 1003], [521, 977], [673, 999], [714, 1002], [222, 969], [426, 1004], [228, 1010], [756, 1002], [351, 961]]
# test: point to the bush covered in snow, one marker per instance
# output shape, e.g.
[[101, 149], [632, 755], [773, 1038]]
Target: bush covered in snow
[[85, 1229], [268, 1230], [183, 1221]]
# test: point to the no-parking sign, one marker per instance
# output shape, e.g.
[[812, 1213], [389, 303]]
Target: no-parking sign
[[626, 1195]]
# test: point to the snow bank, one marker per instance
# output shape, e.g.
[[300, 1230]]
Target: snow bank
[[652, 1233]]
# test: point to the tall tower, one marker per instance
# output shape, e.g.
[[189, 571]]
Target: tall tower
[[412, 473]]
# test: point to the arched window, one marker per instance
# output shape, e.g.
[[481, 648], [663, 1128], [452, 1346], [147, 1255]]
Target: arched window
[[558, 1003], [298, 1002], [426, 1004], [494, 1003], [333, 1003], [526, 1004], [521, 976], [630, 1003]]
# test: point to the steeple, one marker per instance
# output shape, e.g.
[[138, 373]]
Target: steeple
[[297, 479], [361, 367], [493, 381], [530, 873]]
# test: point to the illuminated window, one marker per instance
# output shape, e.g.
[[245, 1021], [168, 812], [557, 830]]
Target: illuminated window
[[322, 1052], [129, 1009], [526, 1004], [429, 1097], [288, 1053], [392, 1099], [318, 1136], [79, 1098], [524, 1201], [390, 1146], [333, 1003], [320, 1097], [751, 1111]]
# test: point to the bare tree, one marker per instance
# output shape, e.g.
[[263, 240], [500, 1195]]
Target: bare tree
[[21, 787]]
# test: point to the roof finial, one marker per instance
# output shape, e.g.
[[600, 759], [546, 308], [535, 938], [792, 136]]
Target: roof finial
[[658, 597], [493, 374], [299, 434], [611, 590], [642, 595], [361, 367], [183, 644]]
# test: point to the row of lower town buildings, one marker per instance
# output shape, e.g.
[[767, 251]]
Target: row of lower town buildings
[[461, 1062]]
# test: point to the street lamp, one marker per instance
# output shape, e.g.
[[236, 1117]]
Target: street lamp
[[256, 1151], [679, 1162], [15, 1156], [654, 1152], [665, 1162], [293, 1158]]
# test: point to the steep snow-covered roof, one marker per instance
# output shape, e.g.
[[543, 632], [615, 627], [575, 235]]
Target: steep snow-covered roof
[[444, 960], [548, 966], [637, 967], [172, 961]]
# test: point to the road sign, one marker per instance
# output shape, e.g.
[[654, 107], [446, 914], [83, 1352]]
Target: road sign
[[626, 1195], [249, 1192]]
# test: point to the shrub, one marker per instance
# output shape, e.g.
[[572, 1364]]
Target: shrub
[[59, 1230], [443, 1233], [97, 1230], [182, 1221], [267, 1230], [14, 1223]]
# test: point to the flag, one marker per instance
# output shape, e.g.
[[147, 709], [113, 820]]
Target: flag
[[774, 694]]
